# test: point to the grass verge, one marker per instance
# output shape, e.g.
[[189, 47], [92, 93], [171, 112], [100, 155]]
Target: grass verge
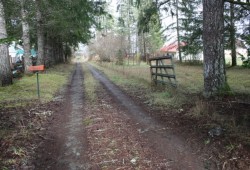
[[90, 84], [24, 90], [136, 79], [22, 124], [226, 110]]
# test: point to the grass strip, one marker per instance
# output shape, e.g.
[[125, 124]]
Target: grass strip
[[24, 90]]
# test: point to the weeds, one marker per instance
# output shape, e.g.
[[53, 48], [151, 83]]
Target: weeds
[[200, 109], [87, 121]]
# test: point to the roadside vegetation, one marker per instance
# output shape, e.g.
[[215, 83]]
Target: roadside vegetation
[[22, 115], [228, 110], [90, 85], [189, 78], [24, 90]]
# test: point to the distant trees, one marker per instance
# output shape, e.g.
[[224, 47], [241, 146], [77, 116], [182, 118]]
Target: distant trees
[[191, 27], [137, 30], [53, 27], [107, 46], [149, 25]]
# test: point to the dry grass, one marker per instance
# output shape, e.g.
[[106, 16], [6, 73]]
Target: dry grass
[[138, 77], [189, 78], [234, 118]]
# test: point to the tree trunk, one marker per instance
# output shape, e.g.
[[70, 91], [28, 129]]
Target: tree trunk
[[5, 69], [232, 35], [214, 60], [26, 37], [178, 31], [40, 34]]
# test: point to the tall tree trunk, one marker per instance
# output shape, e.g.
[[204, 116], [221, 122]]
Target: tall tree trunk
[[25, 37], [232, 35], [49, 57], [5, 69], [178, 30], [40, 34], [214, 60]]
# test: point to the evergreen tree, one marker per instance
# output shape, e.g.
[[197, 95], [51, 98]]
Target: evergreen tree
[[191, 27], [149, 25], [214, 60]]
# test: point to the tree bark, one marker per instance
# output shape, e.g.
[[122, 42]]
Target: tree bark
[[178, 31], [40, 34], [25, 37], [5, 69], [214, 60], [232, 36]]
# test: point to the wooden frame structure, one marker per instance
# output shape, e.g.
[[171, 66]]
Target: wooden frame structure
[[162, 70]]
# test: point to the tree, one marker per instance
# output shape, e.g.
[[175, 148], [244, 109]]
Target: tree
[[40, 33], [5, 69], [149, 25], [232, 35], [178, 29], [26, 34], [191, 27], [106, 46], [214, 61], [239, 12], [230, 30]]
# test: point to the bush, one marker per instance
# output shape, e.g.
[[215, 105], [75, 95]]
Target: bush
[[119, 60], [246, 62]]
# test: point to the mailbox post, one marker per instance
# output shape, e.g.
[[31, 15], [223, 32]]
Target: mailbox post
[[37, 69]]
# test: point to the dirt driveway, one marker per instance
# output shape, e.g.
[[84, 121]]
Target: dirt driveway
[[111, 133]]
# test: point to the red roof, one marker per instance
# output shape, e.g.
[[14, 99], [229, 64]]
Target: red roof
[[171, 48]]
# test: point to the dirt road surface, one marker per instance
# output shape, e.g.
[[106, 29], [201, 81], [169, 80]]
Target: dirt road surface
[[111, 133]]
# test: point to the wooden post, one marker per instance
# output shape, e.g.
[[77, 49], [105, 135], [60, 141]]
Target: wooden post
[[37, 68]]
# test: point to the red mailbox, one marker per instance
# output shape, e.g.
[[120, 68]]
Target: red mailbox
[[36, 68]]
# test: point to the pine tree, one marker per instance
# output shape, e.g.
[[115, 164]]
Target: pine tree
[[214, 60], [191, 27]]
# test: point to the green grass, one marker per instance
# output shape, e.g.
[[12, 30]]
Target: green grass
[[138, 77], [136, 81], [25, 89], [239, 80], [189, 79], [90, 84]]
